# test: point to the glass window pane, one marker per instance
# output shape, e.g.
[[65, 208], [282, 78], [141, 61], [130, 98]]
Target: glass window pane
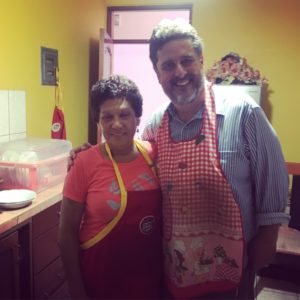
[[139, 24]]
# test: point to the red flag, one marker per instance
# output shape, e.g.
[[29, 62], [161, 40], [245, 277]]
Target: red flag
[[58, 128]]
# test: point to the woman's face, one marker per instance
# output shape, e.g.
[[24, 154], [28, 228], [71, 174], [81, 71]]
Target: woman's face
[[118, 123]]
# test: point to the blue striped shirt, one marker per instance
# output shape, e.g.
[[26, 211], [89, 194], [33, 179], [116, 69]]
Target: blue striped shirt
[[250, 155]]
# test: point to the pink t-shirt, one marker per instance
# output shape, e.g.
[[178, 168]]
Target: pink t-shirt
[[92, 181]]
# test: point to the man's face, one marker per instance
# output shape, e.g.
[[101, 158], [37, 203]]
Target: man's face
[[180, 71]]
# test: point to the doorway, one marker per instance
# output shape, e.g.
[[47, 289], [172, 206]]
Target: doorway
[[130, 29]]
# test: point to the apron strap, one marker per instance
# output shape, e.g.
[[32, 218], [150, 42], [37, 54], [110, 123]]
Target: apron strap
[[123, 202]]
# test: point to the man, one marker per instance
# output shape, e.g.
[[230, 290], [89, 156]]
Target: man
[[222, 174]]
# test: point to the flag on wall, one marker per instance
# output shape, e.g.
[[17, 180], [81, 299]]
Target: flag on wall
[[58, 128]]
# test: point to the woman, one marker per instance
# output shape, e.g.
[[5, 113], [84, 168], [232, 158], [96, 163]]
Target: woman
[[110, 229]]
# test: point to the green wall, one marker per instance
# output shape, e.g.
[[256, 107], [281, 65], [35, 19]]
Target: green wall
[[67, 25], [266, 32]]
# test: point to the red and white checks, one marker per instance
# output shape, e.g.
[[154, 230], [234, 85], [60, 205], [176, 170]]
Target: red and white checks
[[200, 213]]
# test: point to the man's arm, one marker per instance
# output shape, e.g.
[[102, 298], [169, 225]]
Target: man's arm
[[270, 180], [73, 153], [150, 130], [262, 249]]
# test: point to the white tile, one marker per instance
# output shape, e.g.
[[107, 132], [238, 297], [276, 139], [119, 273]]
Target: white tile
[[17, 111], [17, 136], [4, 138], [4, 115], [271, 295]]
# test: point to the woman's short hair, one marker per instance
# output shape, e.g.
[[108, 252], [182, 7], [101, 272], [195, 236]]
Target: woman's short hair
[[115, 86], [169, 30]]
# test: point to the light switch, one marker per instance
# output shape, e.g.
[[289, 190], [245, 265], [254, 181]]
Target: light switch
[[49, 63]]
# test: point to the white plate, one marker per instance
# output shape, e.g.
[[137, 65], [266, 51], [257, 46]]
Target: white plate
[[16, 198]]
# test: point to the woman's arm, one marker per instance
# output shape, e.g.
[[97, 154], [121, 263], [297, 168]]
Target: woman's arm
[[71, 215]]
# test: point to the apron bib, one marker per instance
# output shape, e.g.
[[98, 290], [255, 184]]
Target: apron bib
[[124, 261], [203, 236]]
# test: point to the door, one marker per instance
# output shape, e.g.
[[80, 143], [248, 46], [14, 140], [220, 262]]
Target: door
[[101, 54], [130, 28], [105, 63], [105, 54]]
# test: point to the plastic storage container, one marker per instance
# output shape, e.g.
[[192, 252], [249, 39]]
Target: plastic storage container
[[33, 163]]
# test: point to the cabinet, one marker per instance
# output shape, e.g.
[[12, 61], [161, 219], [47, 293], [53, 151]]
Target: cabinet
[[30, 264], [9, 274], [15, 262], [48, 274]]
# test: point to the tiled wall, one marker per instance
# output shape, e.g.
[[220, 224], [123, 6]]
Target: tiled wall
[[12, 115]]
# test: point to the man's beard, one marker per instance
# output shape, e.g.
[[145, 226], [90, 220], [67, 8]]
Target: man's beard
[[183, 99]]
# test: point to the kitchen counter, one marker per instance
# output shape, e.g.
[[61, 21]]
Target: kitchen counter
[[44, 199]]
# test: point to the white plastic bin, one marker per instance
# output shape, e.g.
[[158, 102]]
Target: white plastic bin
[[33, 163]]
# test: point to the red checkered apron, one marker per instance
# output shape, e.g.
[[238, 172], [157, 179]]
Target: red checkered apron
[[203, 236]]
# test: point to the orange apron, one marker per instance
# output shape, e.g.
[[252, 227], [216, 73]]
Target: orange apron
[[124, 260], [203, 236]]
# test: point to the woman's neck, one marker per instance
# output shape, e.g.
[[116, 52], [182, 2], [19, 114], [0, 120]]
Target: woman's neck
[[123, 154]]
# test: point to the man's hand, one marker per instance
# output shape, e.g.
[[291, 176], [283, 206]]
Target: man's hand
[[262, 248], [74, 152]]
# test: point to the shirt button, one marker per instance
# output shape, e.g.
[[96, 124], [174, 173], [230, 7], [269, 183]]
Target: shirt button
[[169, 187]]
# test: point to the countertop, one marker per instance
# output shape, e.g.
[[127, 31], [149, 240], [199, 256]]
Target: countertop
[[44, 199]]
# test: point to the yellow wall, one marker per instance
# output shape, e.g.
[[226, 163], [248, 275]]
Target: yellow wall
[[267, 33], [66, 25]]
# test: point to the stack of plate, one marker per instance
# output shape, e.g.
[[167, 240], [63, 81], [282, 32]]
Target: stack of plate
[[13, 199]]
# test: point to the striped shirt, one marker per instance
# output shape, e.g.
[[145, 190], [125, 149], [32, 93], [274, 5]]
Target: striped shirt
[[250, 156]]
